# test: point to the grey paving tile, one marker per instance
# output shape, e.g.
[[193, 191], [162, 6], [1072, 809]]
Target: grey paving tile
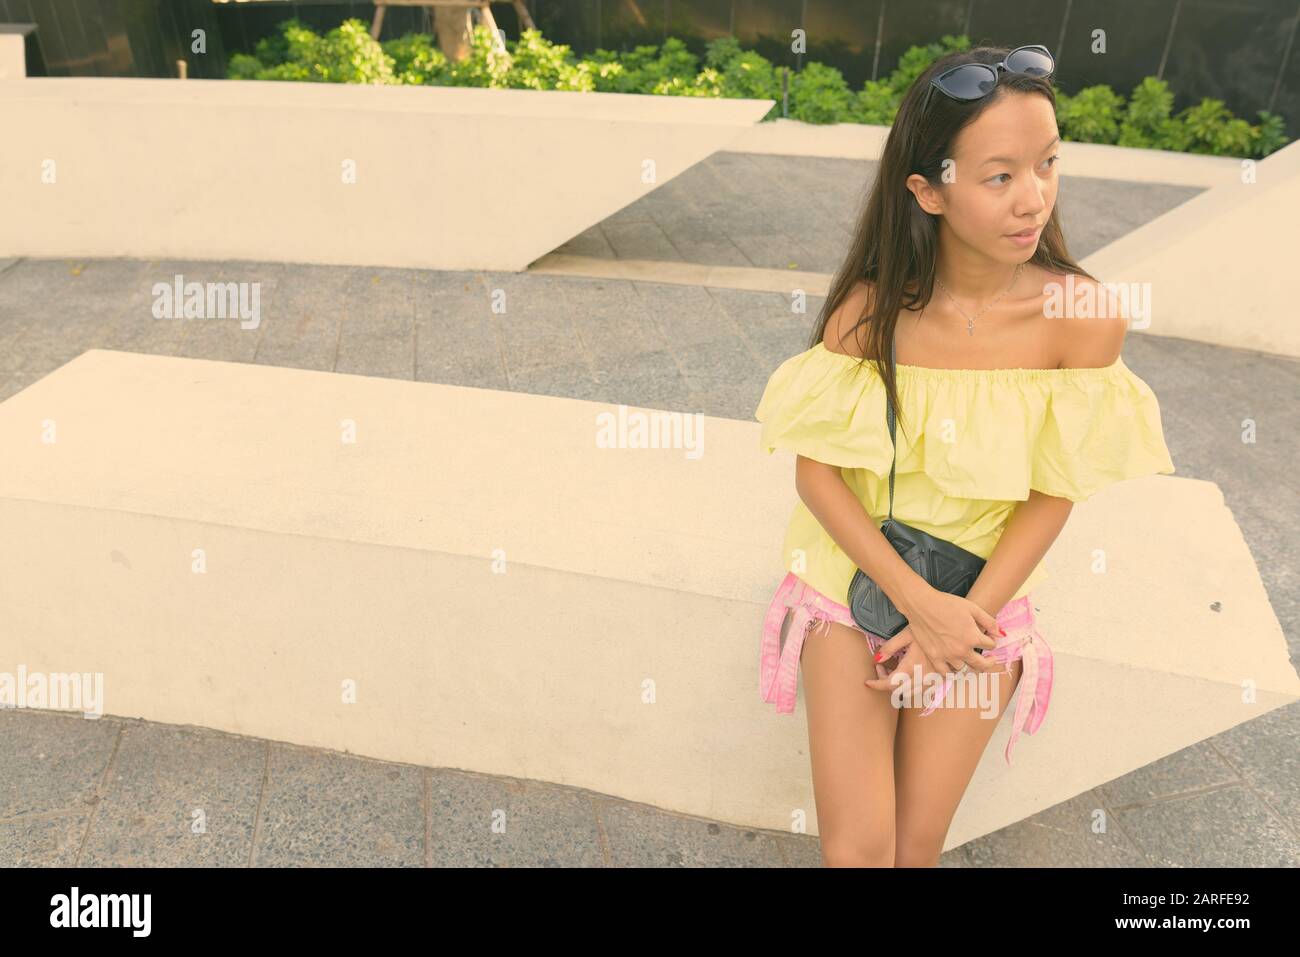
[[722, 402], [684, 315], [455, 341], [52, 762], [1221, 827], [1080, 832], [640, 240], [589, 242], [613, 319], [772, 348], [328, 810], [41, 841], [640, 836], [1191, 769], [228, 334], [486, 372], [133, 327], [698, 240], [539, 345], [534, 327], [649, 379], [1264, 753], [20, 374], [177, 797], [769, 312], [720, 364], [575, 381], [957, 857], [477, 820], [378, 331], [54, 306], [302, 326], [383, 346], [798, 850]]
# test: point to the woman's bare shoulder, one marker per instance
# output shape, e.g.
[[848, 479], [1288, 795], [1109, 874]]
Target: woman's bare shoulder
[[836, 336]]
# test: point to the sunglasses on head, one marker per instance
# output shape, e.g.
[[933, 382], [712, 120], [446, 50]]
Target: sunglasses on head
[[972, 81]]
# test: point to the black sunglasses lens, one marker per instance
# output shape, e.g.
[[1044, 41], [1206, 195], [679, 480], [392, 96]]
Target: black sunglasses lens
[[1030, 61], [969, 81]]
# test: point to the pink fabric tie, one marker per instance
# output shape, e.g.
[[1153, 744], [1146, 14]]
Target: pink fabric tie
[[778, 671]]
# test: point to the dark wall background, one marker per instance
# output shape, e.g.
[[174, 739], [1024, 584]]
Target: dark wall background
[[1244, 52]]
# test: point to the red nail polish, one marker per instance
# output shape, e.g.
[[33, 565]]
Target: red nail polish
[[879, 655], [1001, 629]]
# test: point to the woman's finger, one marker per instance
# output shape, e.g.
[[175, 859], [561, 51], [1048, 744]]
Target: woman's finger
[[892, 646]]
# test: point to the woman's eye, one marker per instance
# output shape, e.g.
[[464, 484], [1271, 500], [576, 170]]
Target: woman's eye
[[1050, 160]]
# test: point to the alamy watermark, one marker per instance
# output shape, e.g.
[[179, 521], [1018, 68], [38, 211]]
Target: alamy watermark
[[1083, 300], [209, 300], [651, 429], [53, 691]]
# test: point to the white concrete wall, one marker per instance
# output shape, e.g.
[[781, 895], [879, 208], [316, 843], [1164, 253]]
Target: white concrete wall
[[1221, 267], [13, 57], [446, 178]]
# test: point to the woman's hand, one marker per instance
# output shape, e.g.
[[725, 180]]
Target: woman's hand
[[905, 672], [949, 629]]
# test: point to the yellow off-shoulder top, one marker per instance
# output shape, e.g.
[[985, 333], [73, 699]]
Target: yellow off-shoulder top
[[978, 440]]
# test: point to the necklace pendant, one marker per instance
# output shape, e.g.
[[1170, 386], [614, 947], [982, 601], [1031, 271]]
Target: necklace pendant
[[970, 326]]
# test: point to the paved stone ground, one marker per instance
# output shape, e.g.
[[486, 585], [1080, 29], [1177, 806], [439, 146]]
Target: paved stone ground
[[117, 791]]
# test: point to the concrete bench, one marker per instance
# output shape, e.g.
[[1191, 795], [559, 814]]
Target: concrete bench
[[468, 578]]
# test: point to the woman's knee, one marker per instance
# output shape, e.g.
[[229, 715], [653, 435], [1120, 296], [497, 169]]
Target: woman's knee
[[919, 850], [857, 850]]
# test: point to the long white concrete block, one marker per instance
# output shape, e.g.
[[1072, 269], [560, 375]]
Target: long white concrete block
[[1219, 268], [476, 582], [432, 177]]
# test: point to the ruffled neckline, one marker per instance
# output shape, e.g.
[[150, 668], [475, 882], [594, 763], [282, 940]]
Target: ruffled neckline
[[1115, 367], [990, 434]]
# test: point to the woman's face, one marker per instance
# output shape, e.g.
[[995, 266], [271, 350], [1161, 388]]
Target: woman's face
[[1002, 178]]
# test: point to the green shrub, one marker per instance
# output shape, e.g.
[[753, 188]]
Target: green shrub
[[538, 64], [1090, 116], [918, 59], [1146, 122], [347, 54], [485, 66], [416, 61], [1270, 136], [817, 94], [647, 69]]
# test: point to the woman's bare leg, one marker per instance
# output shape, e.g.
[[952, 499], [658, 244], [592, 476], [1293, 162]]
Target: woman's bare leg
[[936, 757], [851, 746]]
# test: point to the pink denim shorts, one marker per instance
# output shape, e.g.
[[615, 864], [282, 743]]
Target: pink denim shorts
[[778, 669]]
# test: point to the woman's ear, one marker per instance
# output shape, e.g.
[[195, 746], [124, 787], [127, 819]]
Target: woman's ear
[[927, 197]]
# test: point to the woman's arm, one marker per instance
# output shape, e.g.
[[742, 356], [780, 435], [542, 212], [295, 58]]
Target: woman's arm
[[1086, 342], [1029, 533], [833, 504]]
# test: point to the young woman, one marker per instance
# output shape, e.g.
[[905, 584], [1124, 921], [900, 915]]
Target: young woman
[[1013, 403]]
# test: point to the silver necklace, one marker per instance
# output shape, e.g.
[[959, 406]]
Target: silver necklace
[[970, 320]]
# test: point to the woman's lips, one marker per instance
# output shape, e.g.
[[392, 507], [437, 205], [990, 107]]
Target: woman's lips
[[1025, 238]]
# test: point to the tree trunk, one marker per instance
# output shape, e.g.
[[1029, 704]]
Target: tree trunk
[[452, 27]]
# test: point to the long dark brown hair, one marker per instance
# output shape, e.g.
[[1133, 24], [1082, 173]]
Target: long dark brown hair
[[896, 241]]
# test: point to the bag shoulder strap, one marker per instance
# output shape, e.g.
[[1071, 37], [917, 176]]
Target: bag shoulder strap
[[889, 412]]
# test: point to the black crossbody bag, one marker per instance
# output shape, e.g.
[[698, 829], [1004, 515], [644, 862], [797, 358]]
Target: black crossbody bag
[[945, 566]]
